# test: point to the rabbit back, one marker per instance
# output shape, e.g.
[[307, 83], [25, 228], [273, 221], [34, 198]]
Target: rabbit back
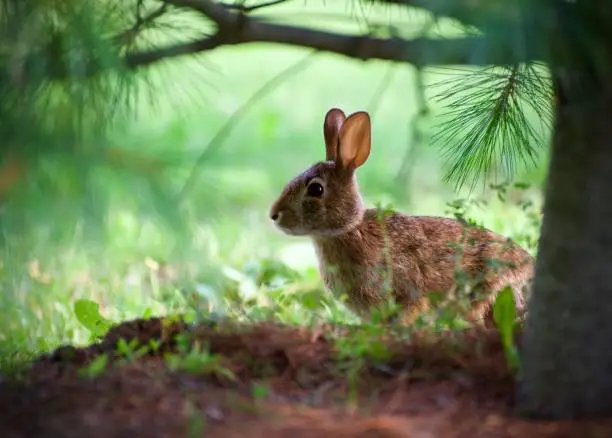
[[412, 256]]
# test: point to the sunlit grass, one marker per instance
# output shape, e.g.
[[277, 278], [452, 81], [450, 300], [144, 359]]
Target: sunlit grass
[[239, 267]]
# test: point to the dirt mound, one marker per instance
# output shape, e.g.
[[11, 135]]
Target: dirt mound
[[268, 380]]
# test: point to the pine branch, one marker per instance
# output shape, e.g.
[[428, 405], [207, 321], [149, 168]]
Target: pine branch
[[238, 28], [141, 23], [487, 121], [418, 51]]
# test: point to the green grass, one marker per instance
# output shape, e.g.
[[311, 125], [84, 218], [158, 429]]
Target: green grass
[[235, 261]]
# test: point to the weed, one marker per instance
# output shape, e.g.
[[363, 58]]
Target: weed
[[260, 391], [94, 368], [196, 422], [358, 349], [130, 350], [504, 314], [196, 359], [88, 314]]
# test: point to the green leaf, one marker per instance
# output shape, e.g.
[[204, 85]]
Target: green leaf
[[88, 314], [260, 391], [310, 299], [95, 367], [504, 314]]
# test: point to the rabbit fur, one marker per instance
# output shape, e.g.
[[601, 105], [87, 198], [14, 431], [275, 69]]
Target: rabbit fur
[[360, 251]]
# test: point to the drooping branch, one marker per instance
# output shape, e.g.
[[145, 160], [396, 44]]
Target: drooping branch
[[237, 27], [419, 51]]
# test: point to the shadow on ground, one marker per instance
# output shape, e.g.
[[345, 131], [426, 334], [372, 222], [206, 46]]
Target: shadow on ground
[[275, 381]]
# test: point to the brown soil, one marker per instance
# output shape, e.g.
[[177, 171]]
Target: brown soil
[[452, 385]]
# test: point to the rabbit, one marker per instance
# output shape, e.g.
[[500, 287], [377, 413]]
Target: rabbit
[[358, 249]]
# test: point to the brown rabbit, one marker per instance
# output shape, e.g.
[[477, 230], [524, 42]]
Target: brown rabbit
[[360, 249]]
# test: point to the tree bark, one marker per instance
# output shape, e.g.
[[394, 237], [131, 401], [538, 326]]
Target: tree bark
[[567, 341]]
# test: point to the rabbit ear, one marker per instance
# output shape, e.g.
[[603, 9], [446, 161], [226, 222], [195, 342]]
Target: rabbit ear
[[331, 131], [355, 140]]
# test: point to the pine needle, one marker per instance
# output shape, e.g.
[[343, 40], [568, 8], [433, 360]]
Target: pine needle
[[487, 124]]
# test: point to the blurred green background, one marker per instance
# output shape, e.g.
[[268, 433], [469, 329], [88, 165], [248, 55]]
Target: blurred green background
[[232, 259]]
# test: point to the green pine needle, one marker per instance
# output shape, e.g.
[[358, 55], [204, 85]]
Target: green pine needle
[[488, 127], [57, 117]]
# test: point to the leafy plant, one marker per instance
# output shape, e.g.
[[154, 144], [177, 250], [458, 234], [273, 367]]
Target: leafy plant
[[88, 314], [504, 314], [196, 359], [356, 349], [196, 422], [131, 350], [94, 368], [260, 391]]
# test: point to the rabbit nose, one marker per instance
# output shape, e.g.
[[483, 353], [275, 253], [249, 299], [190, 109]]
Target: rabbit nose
[[275, 215]]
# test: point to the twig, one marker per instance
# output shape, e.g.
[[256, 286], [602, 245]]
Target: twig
[[217, 12], [247, 9], [141, 22], [215, 143]]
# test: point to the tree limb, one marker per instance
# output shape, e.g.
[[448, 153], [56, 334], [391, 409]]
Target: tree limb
[[421, 51], [238, 28]]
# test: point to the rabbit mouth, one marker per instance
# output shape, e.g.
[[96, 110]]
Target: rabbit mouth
[[293, 231]]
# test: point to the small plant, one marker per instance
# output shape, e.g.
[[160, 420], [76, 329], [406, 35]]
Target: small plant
[[88, 314], [459, 209], [504, 314], [354, 351], [270, 272], [260, 391], [366, 342], [385, 312], [196, 359], [131, 351], [196, 422], [154, 345], [94, 368]]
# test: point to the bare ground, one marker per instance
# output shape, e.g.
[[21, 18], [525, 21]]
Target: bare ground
[[447, 385]]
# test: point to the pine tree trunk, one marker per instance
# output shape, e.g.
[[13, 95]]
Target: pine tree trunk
[[567, 343]]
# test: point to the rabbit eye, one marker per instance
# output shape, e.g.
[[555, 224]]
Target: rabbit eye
[[315, 190]]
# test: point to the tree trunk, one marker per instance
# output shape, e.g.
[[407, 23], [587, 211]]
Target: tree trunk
[[567, 342]]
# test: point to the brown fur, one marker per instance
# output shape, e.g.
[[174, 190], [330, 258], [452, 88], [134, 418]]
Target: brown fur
[[359, 249]]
